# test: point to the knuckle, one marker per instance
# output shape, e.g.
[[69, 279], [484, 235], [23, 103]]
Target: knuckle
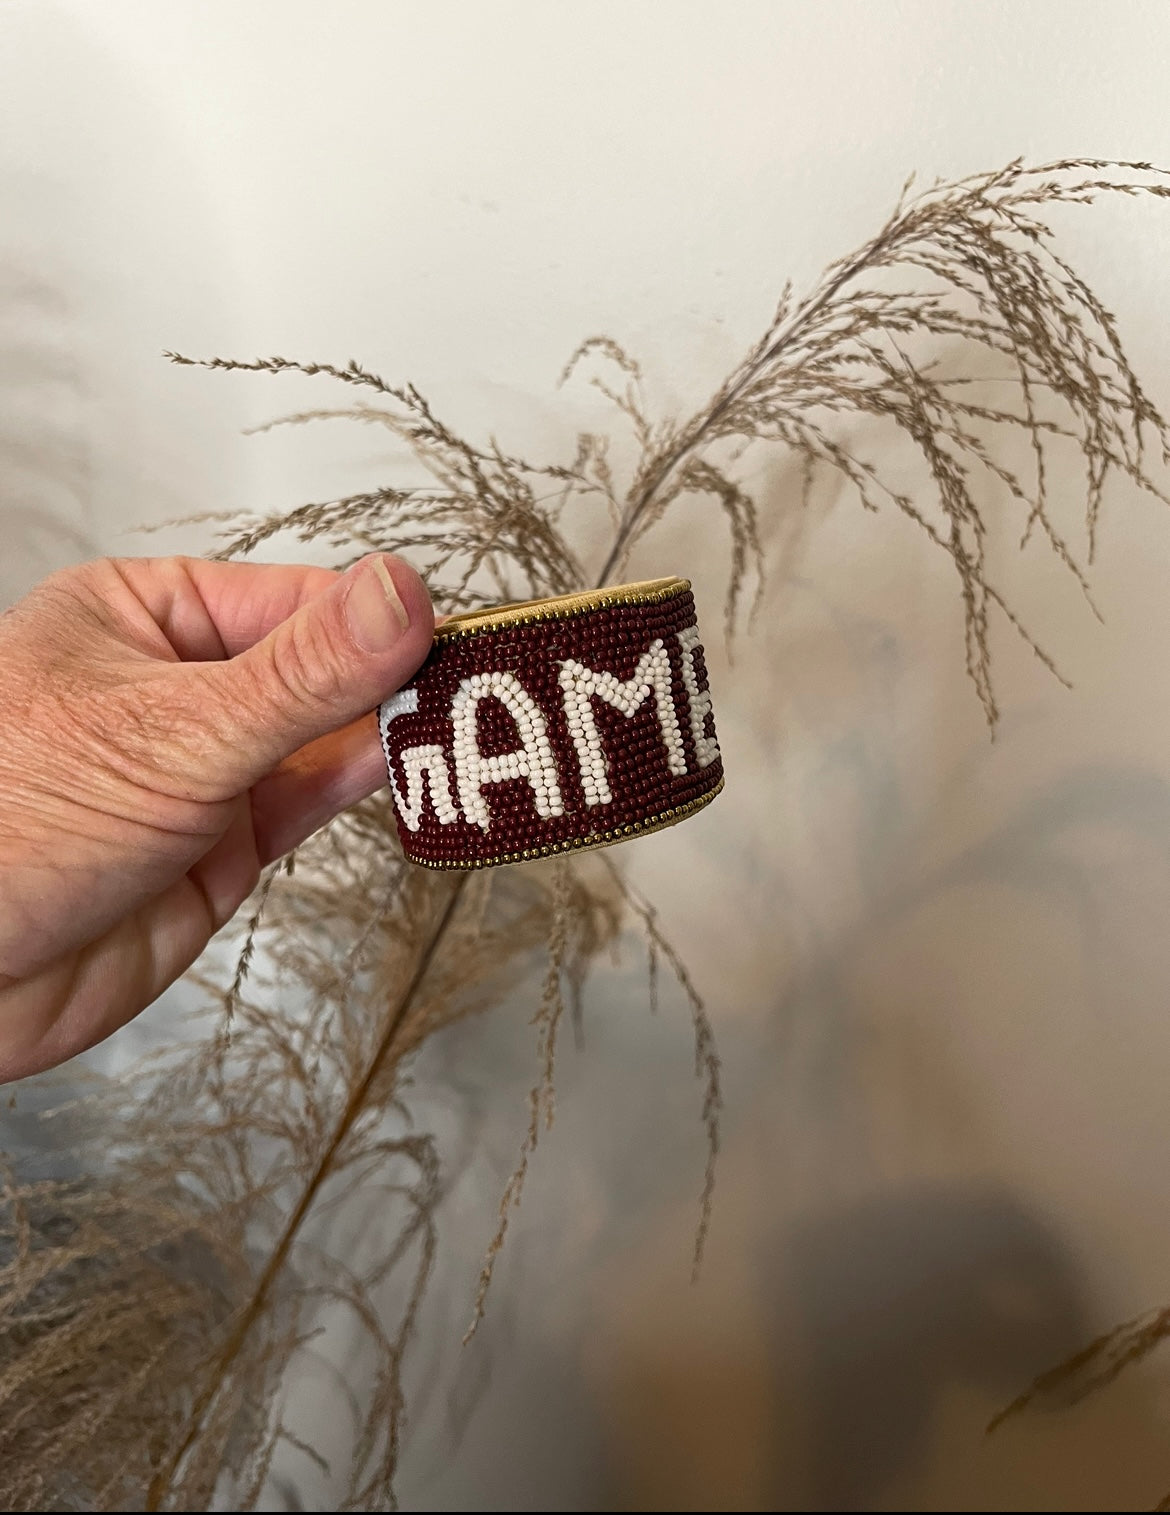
[[82, 722], [48, 683], [82, 588], [59, 618]]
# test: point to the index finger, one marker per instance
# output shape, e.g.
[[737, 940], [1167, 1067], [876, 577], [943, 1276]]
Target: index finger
[[211, 610]]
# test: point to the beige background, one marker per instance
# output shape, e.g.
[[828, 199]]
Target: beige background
[[938, 968]]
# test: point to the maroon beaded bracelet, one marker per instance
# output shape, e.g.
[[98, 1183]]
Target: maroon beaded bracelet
[[553, 725]]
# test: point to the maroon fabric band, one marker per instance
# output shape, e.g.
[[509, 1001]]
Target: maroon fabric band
[[553, 725]]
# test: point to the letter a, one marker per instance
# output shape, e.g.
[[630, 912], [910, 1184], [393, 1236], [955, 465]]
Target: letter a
[[533, 760]]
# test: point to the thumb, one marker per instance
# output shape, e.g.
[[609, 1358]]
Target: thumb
[[334, 659]]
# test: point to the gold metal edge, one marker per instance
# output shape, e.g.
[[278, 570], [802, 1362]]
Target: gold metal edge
[[559, 607], [599, 839]]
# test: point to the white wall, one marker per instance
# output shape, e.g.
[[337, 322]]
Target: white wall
[[938, 968]]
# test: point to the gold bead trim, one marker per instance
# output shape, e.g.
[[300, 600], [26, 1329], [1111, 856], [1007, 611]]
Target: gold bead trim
[[557, 607]]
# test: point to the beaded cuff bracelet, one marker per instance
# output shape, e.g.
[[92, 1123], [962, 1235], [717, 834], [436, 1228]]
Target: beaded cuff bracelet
[[553, 725]]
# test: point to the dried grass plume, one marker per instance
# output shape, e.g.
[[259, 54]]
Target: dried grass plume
[[166, 1255]]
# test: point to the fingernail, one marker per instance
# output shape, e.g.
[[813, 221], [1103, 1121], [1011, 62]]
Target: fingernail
[[373, 607]]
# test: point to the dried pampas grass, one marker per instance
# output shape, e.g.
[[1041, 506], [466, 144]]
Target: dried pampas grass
[[156, 1296]]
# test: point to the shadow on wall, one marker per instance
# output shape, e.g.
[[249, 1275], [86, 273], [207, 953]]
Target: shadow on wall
[[904, 1303], [976, 988], [113, 246], [905, 1296], [45, 470]]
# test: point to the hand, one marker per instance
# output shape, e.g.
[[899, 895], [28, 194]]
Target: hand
[[167, 727]]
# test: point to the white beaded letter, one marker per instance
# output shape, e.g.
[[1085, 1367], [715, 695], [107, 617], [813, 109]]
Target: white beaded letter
[[706, 747], [420, 764], [581, 685], [533, 760]]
